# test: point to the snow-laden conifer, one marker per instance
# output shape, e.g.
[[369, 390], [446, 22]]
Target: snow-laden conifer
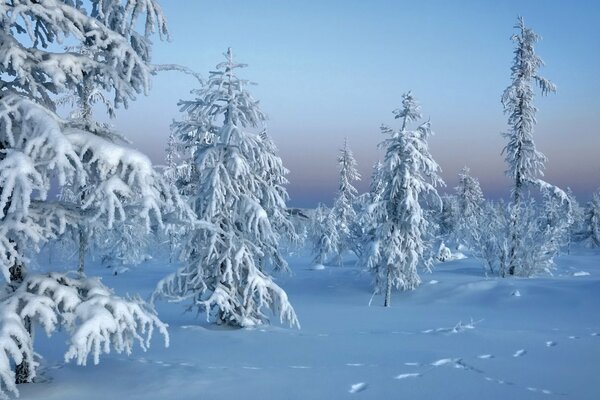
[[410, 175], [343, 208], [96, 320], [470, 206], [325, 235], [591, 223], [525, 163], [39, 149], [241, 192]]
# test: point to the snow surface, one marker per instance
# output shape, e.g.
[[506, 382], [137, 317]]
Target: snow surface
[[542, 344]]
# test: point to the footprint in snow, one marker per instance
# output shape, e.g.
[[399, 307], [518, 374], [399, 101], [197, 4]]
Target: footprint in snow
[[536, 390], [354, 365], [595, 334], [581, 273], [485, 356], [573, 337], [520, 353], [444, 361], [252, 368], [299, 367], [550, 343], [186, 364], [358, 387], [412, 364], [409, 375]]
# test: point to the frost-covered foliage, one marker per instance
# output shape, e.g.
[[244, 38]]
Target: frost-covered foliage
[[410, 176], [578, 217], [447, 221], [542, 234], [241, 193], [365, 224], [470, 205], [343, 208], [591, 224], [96, 320], [324, 234], [39, 149], [525, 163]]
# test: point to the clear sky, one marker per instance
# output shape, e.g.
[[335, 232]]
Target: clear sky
[[329, 69]]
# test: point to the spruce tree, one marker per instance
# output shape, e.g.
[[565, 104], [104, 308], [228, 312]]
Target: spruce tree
[[343, 208], [240, 192], [39, 150], [525, 162], [410, 176]]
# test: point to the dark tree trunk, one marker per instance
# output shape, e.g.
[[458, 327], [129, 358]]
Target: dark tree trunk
[[23, 370]]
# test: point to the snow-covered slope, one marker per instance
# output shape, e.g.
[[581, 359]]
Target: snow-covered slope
[[460, 335]]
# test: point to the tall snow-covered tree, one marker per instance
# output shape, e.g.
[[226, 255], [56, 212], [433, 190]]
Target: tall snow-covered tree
[[525, 162], [411, 176], [38, 149], [343, 207], [241, 192]]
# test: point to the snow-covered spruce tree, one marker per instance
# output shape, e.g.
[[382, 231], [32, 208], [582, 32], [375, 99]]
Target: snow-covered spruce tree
[[410, 175], [38, 148], [364, 226], [470, 206], [343, 208], [591, 225], [325, 235], [578, 216], [224, 271], [447, 221], [525, 162]]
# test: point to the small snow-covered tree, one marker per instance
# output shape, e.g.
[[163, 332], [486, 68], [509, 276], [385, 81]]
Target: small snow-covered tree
[[410, 175], [470, 204], [591, 225], [325, 234], [364, 226], [447, 220], [38, 148], [525, 162], [578, 216], [343, 208], [239, 192]]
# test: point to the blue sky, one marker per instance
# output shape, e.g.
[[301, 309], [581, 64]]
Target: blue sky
[[333, 69]]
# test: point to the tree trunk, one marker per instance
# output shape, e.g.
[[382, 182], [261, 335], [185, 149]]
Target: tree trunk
[[388, 287], [82, 248], [23, 370]]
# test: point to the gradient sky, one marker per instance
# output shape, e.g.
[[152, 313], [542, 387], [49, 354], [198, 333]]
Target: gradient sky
[[332, 69]]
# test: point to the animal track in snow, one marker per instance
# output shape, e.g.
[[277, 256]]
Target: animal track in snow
[[485, 356], [444, 361], [520, 353], [550, 343], [299, 367], [412, 364], [409, 375], [355, 365], [358, 387], [536, 390], [573, 337]]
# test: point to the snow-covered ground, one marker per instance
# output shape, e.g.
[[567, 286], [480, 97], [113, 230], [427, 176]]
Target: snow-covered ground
[[460, 335]]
